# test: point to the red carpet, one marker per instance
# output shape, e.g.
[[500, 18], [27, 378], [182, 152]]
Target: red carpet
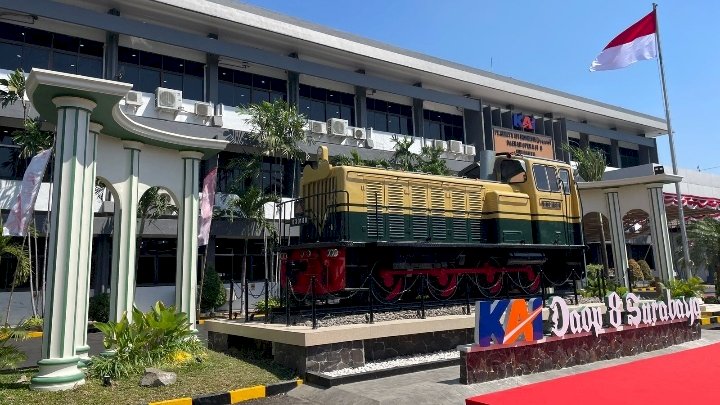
[[687, 377]]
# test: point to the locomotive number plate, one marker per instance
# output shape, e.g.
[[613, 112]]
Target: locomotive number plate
[[550, 204]]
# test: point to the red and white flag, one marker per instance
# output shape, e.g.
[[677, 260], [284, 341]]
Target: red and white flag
[[207, 202], [24, 206], [636, 43]]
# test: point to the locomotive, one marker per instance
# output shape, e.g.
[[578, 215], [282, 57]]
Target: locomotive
[[504, 231]]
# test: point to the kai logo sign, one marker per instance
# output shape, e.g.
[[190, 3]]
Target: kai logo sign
[[504, 322], [507, 321]]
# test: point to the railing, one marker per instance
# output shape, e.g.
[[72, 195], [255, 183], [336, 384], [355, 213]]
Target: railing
[[318, 217]]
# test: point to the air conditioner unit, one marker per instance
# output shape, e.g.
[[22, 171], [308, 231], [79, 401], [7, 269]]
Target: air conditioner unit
[[359, 133], [337, 127], [437, 143], [456, 147], [204, 109], [318, 127], [470, 150], [133, 98], [168, 99]]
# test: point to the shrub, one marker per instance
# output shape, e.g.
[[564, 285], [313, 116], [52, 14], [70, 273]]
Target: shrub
[[33, 323], [635, 270], [691, 288], [10, 355], [645, 268], [152, 339], [592, 289], [99, 307], [213, 290], [272, 303]]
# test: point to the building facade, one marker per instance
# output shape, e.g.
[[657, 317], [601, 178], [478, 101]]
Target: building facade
[[192, 64]]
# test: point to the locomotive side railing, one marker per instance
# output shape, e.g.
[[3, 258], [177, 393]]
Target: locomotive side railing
[[319, 217]]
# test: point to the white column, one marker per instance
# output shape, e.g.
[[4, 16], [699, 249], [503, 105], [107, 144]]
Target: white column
[[58, 369], [88, 156], [122, 283], [617, 233], [660, 234], [186, 277]]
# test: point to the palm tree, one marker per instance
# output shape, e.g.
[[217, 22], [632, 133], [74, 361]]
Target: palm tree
[[431, 161], [276, 129], [31, 141], [22, 270], [153, 204], [591, 166], [403, 158], [344, 160]]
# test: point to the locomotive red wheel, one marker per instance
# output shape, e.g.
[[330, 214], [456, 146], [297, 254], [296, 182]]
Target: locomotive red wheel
[[390, 286], [443, 285]]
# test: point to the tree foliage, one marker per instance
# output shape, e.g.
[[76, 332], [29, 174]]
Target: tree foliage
[[10, 355], [404, 158], [704, 241], [591, 162], [635, 270], [213, 290], [431, 161], [646, 271], [277, 129]]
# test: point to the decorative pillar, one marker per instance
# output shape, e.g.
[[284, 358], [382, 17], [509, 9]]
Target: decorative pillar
[[58, 369], [187, 244], [617, 234], [122, 284], [88, 157], [660, 234]]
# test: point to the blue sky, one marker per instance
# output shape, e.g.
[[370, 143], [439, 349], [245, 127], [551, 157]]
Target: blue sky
[[551, 43]]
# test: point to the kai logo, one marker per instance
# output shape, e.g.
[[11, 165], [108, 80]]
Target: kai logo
[[507, 321], [524, 122]]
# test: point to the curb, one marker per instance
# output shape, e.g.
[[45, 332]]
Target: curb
[[327, 382], [34, 334], [235, 396], [709, 320], [644, 289]]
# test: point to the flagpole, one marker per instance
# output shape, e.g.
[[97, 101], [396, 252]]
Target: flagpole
[[681, 211]]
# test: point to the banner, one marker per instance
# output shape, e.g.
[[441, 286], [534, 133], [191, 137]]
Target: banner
[[22, 210], [206, 207]]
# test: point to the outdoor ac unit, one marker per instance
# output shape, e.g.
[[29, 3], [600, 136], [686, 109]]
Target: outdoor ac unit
[[359, 133], [437, 143], [204, 109], [133, 98], [456, 147], [470, 150], [337, 127], [317, 127], [168, 99]]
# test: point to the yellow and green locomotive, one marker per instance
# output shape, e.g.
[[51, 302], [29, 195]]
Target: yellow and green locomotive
[[504, 233]]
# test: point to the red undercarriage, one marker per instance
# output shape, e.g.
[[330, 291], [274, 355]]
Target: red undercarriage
[[325, 268]]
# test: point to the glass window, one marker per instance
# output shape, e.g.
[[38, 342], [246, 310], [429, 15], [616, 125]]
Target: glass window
[[325, 104], [388, 116], [35, 57], [512, 171], [148, 71], [564, 176], [443, 126], [629, 157], [552, 179], [149, 80], [248, 88], [541, 180], [65, 62], [88, 66], [10, 56]]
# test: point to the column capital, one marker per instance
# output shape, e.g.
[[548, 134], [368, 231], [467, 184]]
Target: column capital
[[77, 102], [611, 190], [133, 145], [95, 127], [191, 154], [654, 185]]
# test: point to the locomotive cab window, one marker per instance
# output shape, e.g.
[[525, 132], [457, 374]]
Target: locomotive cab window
[[546, 178], [512, 171], [564, 177]]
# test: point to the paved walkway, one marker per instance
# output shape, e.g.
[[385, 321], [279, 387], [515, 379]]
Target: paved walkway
[[441, 386]]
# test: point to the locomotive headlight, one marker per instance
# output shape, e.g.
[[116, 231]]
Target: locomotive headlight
[[283, 256], [332, 252]]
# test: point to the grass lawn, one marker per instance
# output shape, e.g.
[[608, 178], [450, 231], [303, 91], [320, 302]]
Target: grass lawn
[[217, 373]]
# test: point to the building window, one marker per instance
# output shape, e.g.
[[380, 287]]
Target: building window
[[148, 71], [26, 48], [157, 262], [604, 148], [389, 117], [280, 178], [443, 126], [321, 104], [629, 157], [11, 166], [240, 89]]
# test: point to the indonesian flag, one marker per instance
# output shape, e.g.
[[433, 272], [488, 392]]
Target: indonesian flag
[[635, 43], [207, 202]]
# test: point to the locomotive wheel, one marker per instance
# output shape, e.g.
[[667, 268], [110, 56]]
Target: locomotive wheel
[[443, 285], [390, 287]]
